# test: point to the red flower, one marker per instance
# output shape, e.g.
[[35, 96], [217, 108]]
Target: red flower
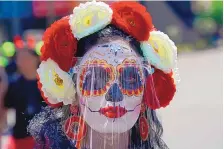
[[132, 18], [45, 99], [59, 44], [159, 90]]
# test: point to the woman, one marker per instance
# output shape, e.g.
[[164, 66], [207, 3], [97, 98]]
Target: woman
[[104, 77]]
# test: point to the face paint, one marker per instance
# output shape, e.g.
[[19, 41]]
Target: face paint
[[110, 87]]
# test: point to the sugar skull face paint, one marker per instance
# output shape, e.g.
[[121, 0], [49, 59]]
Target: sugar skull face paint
[[110, 86]]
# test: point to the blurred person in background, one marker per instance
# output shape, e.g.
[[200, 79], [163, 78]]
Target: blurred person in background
[[3, 89], [23, 96], [5, 141]]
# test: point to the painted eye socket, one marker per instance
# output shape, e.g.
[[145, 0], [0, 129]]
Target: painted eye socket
[[96, 79], [129, 78]]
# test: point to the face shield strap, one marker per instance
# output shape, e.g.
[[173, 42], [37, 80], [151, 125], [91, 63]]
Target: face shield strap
[[74, 70], [147, 67], [149, 70]]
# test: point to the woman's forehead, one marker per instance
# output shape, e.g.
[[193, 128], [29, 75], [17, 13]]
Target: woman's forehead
[[114, 52]]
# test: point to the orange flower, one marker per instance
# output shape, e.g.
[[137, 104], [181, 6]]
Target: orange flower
[[132, 18], [59, 44]]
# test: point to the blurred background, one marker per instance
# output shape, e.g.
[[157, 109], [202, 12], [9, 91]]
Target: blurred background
[[194, 118]]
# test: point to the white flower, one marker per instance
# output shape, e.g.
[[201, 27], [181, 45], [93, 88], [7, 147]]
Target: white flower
[[160, 50], [57, 85], [89, 18]]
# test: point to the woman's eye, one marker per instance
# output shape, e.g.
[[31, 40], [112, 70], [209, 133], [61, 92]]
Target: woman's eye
[[129, 78], [96, 77]]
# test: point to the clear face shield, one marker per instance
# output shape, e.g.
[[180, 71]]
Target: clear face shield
[[110, 82]]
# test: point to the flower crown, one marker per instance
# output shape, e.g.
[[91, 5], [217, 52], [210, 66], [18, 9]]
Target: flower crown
[[88, 18]]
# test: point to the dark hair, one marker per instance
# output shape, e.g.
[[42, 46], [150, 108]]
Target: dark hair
[[109, 32], [156, 129]]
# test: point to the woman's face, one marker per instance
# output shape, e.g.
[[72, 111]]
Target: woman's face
[[110, 87]]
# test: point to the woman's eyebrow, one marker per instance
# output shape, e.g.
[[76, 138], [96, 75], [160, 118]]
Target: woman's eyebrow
[[124, 47], [104, 45]]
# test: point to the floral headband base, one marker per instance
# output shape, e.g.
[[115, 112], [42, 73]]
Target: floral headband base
[[87, 19]]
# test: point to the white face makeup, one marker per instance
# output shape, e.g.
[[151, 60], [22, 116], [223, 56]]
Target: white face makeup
[[110, 86]]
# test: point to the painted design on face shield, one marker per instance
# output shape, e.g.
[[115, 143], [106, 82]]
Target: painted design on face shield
[[96, 77], [130, 78], [110, 87]]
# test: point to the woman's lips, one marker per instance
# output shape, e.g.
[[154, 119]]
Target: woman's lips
[[113, 112]]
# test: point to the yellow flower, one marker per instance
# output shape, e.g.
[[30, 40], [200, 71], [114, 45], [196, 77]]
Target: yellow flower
[[89, 18], [164, 48]]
